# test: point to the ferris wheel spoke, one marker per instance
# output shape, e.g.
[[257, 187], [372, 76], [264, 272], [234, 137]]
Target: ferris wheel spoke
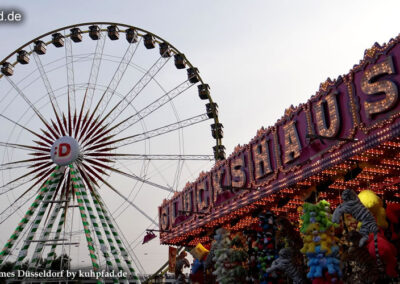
[[27, 129], [11, 210], [77, 124], [94, 71], [40, 176], [8, 189], [146, 111], [87, 177], [140, 157], [70, 79], [86, 126], [135, 91], [129, 175], [149, 134], [86, 167], [23, 163], [20, 201], [48, 135], [24, 147], [56, 128], [49, 89], [42, 169], [31, 105], [41, 143], [114, 83], [38, 154]]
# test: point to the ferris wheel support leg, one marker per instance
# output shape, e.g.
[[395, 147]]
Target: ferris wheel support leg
[[51, 183], [77, 184], [44, 236], [123, 251], [51, 255], [107, 232], [95, 225]]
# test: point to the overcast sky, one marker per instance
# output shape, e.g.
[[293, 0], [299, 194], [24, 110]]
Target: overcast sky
[[259, 57]]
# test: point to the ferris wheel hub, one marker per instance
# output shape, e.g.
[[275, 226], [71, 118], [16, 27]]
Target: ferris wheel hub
[[65, 151]]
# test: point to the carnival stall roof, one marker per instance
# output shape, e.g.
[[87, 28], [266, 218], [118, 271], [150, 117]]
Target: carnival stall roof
[[345, 136]]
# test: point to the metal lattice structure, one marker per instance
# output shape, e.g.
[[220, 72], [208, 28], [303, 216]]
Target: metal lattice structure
[[72, 119]]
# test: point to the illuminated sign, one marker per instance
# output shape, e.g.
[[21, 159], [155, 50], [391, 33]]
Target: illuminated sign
[[361, 106]]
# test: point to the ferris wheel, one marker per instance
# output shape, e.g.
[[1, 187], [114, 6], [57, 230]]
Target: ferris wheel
[[99, 125]]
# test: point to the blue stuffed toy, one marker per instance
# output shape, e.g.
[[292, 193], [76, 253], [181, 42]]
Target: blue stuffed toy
[[196, 266], [333, 265], [316, 263]]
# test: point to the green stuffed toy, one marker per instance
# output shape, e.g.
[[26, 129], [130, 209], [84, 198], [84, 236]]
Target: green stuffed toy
[[309, 216], [324, 215]]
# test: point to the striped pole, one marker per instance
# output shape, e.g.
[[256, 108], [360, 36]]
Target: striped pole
[[44, 236], [38, 219], [77, 185], [110, 239], [51, 255], [53, 180], [124, 253], [95, 225]]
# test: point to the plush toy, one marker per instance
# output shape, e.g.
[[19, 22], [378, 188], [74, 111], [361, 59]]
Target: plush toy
[[377, 245], [350, 222], [320, 243], [333, 265], [268, 241], [324, 215], [228, 257], [286, 264], [181, 262], [331, 278], [325, 243], [288, 234], [351, 204], [316, 265], [309, 216], [330, 241], [372, 201], [312, 238], [393, 215], [199, 252], [358, 265], [196, 266], [263, 245], [318, 262], [387, 254]]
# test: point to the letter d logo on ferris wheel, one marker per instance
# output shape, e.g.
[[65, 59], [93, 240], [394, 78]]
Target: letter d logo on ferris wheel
[[64, 151]]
